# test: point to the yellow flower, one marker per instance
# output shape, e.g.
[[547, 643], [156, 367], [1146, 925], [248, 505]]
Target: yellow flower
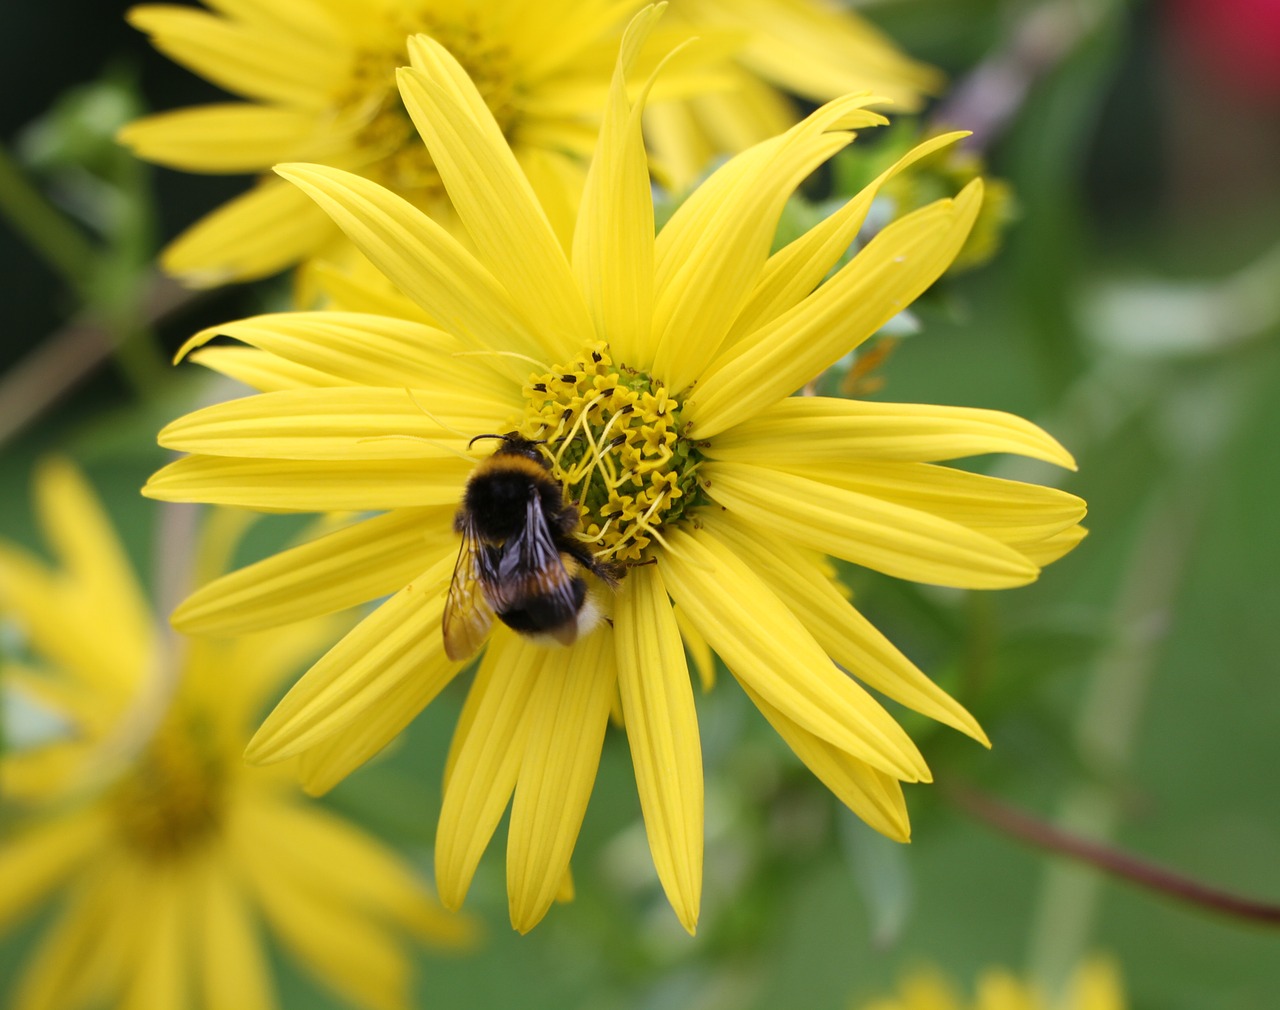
[[660, 381], [810, 48], [318, 77], [1096, 986], [166, 849]]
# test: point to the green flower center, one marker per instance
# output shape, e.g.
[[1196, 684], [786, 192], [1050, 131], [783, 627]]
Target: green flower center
[[173, 797], [400, 160], [614, 439]]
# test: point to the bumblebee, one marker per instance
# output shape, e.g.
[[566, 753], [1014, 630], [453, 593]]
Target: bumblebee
[[519, 559]]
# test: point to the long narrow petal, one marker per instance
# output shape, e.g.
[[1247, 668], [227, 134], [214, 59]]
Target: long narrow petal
[[613, 242], [867, 791], [485, 760], [1016, 513], [234, 137], [568, 713], [662, 728], [89, 948], [230, 960], [288, 485], [365, 349], [710, 256], [895, 539], [819, 429], [492, 196], [846, 636], [795, 270], [350, 566], [245, 59], [766, 647], [420, 258], [882, 280], [36, 861], [312, 843], [160, 963], [399, 640], [349, 423], [261, 371], [352, 953], [257, 234]]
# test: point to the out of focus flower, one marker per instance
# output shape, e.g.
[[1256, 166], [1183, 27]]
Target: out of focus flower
[[660, 388], [1095, 986], [164, 853], [319, 82]]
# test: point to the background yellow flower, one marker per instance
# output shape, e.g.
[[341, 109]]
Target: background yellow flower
[[163, 853]]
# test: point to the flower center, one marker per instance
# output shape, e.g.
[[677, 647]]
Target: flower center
[[615, 442], [172, 798], [386, 134]]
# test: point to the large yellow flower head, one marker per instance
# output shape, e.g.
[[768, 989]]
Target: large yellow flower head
[[657, 374], [167, 851], [318, 77], [1096, 985]]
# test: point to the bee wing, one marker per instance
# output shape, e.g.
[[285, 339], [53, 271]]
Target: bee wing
[[531, 570], [467, 611]]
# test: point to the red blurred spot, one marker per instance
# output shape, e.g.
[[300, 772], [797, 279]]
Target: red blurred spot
[[1235, 41]]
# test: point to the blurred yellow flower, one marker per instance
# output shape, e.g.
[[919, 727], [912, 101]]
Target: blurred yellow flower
[[167, 851], [318, 77], [1096, 986], [661, 381]]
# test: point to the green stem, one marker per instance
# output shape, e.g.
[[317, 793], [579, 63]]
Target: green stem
[[61, 244]]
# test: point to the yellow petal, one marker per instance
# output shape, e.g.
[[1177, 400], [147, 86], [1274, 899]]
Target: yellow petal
[[286, 485], [1049, 550], [704, 660], [883, 279], [244, 59], [713, 249], [349, 868], [613, 243], [89, 948], [364, 349], [349, 423], [867, 791], [1015, 513], [662, 728], [255, 235], [399, 640], [797, 269], [347, 950], [234, 137], [492, 196], [844, 634], [904, 542], [35, 861], [77, 528], [161, 960], [818, 429], [568, 713], [230, 960], [421, 259], [766, 647], [261, 371], [366, 560], [485, 759]]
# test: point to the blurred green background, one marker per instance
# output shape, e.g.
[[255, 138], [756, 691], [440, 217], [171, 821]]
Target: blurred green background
[[1133, 695]]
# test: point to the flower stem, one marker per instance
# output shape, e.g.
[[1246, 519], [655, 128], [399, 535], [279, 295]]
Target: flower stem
[[60, 243]]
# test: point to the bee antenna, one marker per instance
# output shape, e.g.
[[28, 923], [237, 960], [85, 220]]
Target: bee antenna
[[479, 437]]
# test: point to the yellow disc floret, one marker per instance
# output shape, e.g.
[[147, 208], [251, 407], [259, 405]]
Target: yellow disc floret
[[615, 441]]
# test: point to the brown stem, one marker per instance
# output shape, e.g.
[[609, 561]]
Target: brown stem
[[1019, 824], [70, 355]]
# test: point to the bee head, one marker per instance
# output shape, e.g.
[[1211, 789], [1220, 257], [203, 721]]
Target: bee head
[[514, 444]]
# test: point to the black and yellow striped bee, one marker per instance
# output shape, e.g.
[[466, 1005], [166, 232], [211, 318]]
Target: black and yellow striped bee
[[519, 559]]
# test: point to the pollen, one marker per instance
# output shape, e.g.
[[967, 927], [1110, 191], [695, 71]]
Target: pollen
[[171, 799], [371, 103], [615, 441]]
